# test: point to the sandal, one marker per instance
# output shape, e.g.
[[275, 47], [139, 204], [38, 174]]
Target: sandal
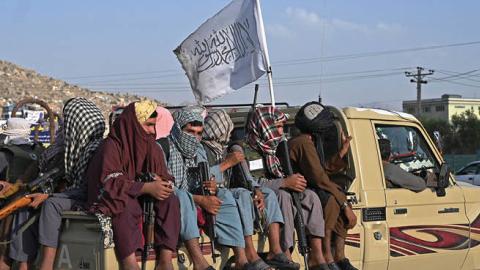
[[257, 265], [281, 261], [322, 266]]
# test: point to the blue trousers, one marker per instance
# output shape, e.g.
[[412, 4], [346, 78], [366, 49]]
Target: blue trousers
[[246, 208], [226, 231]]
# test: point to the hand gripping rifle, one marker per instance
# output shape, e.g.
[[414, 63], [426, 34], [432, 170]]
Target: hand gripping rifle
[[243, 173], [148, 220], [203, 169], [284, 157], [43, 183]]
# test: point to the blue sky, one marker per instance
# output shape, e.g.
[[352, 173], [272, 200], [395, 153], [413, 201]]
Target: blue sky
[[84, 42]]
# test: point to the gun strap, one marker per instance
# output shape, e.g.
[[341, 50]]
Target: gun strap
[[23, 228]]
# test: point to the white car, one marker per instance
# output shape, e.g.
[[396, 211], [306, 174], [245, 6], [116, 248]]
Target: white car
[[470, 173]]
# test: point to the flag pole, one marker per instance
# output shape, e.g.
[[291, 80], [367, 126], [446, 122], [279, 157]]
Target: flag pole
[[265, 51]]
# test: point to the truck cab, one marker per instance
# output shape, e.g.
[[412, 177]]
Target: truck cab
[[437, 228]]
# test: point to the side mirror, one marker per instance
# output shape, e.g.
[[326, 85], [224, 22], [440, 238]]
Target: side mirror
[[443, 180]]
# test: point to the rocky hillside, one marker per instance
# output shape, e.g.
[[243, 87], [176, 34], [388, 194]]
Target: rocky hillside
[[17, 83]]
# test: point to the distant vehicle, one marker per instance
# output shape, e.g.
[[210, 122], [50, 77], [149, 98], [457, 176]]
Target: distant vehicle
[[470, 173]]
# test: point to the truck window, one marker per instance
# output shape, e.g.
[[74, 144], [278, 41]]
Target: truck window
[[409, 151]]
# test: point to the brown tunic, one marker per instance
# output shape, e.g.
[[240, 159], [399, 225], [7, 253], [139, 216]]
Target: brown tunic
[[126, 153], [305, 161]]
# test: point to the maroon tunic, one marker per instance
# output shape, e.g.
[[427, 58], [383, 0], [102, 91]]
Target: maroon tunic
[[125, 154]]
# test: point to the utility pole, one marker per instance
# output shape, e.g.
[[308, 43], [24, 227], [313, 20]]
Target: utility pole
[[418, 79]]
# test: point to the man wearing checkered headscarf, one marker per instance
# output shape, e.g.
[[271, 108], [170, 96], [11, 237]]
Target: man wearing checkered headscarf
[[185, 146], [264, 135], [84, 126], [216, 134], [185, 154]]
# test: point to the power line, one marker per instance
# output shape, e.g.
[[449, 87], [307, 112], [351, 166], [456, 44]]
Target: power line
[[279, 80], [454, 82], [159, 89], [283, 83], [120, 74], [296, 61], [368, 54], [461, 76], [133, 79]]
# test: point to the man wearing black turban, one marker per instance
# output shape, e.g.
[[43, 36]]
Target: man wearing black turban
[[308, 156]]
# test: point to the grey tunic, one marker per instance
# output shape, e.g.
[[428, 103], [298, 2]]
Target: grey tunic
[[402, 178]]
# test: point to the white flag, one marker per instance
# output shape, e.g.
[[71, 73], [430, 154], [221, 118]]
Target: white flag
[[226, 52]]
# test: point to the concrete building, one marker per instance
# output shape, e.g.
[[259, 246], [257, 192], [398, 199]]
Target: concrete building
[[444, 107]]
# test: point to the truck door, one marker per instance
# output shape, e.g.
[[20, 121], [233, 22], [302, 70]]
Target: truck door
[[426, 231]]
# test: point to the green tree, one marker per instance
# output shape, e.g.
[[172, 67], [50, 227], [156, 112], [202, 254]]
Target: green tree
[[443, 127], [467, 132]]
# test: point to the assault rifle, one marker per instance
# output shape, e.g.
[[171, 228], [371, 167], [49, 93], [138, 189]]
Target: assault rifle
[[284, 157], [43, 183], [241, 170], [203, 169], [148, 220]]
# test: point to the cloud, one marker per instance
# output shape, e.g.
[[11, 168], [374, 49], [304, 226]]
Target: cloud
[[303, 15], [311, 18], [338, 24], [279, 30], [389, 27]]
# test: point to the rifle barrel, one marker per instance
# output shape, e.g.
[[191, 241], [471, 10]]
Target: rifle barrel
[[243, 170], [14, 206], [148, 220], [204, 176], [284, 158]]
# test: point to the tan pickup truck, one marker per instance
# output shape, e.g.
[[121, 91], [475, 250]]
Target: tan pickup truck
[[437, 228]]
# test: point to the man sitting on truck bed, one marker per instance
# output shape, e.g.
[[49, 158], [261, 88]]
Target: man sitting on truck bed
[[396, 176], [128, 152], [185, 152], [216, 135], [80, 142], [307, 155], [264, 134]]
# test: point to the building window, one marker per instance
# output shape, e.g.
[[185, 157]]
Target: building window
[[412, 110], [426, 109], [459, 107], [441, 108]]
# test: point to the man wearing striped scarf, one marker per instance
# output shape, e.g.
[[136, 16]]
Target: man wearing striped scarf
[[216, 135], [185, 152]]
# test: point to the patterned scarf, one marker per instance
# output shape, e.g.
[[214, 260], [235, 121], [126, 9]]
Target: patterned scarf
[[183, 147], [84, 126], [216, 132], [264, 136]]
